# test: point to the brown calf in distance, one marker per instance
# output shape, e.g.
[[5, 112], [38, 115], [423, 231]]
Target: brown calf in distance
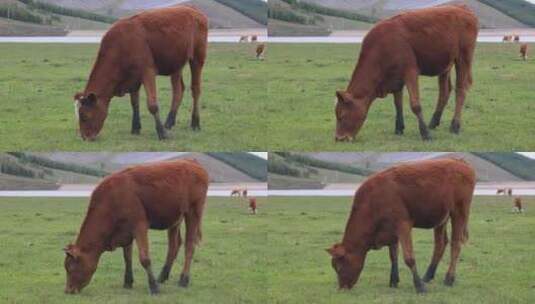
[[132, 53], [389, 204], [524, 51], [517, 38], [500, 191], [396, 52], [125, 205], [507, 38], [260, 50], [254, 38], [517, 205], [244, 193], [235, 192], [252, 205]]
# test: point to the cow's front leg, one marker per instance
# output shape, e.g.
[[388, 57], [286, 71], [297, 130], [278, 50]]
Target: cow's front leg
[[149, 82]]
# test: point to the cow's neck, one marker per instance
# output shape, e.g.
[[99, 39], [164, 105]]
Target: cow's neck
[[358, 231], [103, 79], [365, 79], [95, 231]]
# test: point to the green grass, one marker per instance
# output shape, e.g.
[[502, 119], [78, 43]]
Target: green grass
[[275, 257], [38, 83], [498, 115], [492, 267], [228, 267]]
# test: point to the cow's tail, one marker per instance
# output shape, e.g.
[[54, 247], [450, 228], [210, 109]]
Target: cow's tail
[[198, 213], [465, 236]]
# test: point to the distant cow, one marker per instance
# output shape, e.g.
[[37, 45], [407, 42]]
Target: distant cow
[[244, 38], [252, 205], [132, 53], [517, 205], [244, 193], [500, 191], [254, 38], [524, 51], [510, 191], [507, 38], [128, 203], [517, 38], [235, 192], [395, 52], [389, 204], [260, 51]]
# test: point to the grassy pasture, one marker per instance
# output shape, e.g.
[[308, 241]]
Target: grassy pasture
[[275, 257], [499, 112], [38, 82]]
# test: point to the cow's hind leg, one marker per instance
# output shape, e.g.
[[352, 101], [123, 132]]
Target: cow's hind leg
[[444, 84], [128, 275], [398, 103], [394, 271], [149, 82], [192, 236], [441, 240], [174, 241], [408, 254], [136, 121], [177, 84], [458, 235], [412, 86], [196, 75], [142, 241]]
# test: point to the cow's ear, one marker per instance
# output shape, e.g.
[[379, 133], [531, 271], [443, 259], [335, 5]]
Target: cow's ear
[[343, 97], [337, 251], [78, 96], [90, 100], [72, 251]]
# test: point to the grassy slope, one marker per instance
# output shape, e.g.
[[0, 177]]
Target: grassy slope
[[517, 164], [518, 9], [498, 115], [275, 257], [39, 81], [228, 267], [489, 271], [254, 9]]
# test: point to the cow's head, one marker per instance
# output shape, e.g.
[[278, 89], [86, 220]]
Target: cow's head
[[347, 265], [350, 116], [80, 268], [91, 112]]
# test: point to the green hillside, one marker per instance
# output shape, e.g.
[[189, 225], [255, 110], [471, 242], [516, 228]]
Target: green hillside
[[254, 9], [247, 163], [515, 163], [520, 10]]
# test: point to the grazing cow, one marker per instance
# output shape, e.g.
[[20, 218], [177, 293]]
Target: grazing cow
[[260, 51], [125, 205], [517, 205], [507, 38], [389, 204], [235, 192], [252, 205], [244, 39], [517, 38], [132, 53], [524, 51], [395, 52], [254, 38], [244, 193], [510, 191], [500, 191]]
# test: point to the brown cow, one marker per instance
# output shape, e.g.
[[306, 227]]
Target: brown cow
[[510, 191], [254, 38], [235, 192], [252, 205], [132, 53], [244, 38], [517, 205], [524, 51], [517, 38], [260, 51], [500, 191], [390, 203], [507, 38], [395, 52], [244, 193], [122, 209]]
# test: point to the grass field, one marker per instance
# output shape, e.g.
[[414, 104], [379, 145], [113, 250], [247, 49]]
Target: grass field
[[38, 82], [498, 115], [228, 267], [275, 257]]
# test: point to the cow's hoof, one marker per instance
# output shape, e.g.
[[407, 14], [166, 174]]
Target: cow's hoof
[[184, 280], [427, 278], [128, 285], [455, 127], [163, 277], [169, 125], [399, 131], [170, 121], [449, 280], [154, 290], [161, 134], [136, 131], [435, 121], [421, 289], [394, 284]]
